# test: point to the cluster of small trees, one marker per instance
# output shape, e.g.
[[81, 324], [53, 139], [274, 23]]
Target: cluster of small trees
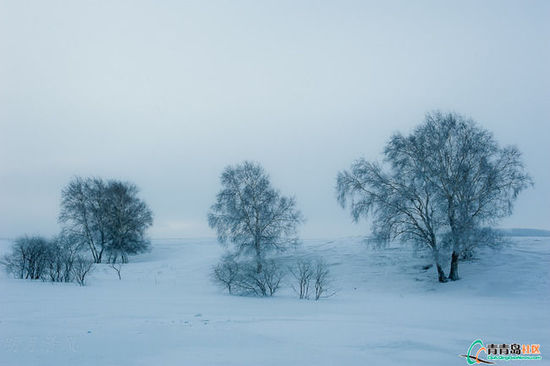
[[311, 278], [440, 187], [99, 218], [55, 260], [259, 223]]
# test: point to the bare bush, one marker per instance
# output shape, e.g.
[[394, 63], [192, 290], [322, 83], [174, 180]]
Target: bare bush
[[28, 257], [81, 268], [250, 282], [311, 278], [227, 272], [322, 280], [302, 272], [62, 252]]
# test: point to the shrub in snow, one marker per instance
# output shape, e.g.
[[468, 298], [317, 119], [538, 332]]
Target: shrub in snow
[[227, 272], [82, 267], [56, 260], [28, 258], [243, 277], [311, 278], [302, 274], [260, 283], [60, 260]]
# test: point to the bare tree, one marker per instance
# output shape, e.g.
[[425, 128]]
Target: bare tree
[[475, 179], [81, 268], [28, 258], [128, 218], [446, 180], [322, 280], [62, 253], [227, 272], [401, 201], [302, 272], [84, 213], [105, 216], [117, 267], [252, 215]]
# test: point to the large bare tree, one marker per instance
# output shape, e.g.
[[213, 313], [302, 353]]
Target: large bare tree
[[447, 179], [476, 180]]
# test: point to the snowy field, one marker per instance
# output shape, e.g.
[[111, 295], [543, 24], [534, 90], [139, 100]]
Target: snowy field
[[388, 311]]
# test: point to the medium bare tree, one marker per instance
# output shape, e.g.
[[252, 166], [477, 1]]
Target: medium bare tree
[[105, 216], [84, 214], [253, 216], [128, 218]]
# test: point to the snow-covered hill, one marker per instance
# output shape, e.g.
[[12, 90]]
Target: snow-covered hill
[[388, 311]]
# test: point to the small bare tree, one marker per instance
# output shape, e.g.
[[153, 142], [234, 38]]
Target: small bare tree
[[302, 272], [227, 272], [81, 268], [322, 280], [117, 266]]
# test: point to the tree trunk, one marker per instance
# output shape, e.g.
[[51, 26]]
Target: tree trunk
[[440, 274], [453, 274], [258, 265], [258, 259], [99, 256]]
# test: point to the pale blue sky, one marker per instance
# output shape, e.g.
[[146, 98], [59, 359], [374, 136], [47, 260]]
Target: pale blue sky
[[165, 94]]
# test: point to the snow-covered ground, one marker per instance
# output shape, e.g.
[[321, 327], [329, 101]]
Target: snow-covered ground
[[388, 311]]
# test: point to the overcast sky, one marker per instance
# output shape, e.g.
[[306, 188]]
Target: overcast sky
[[167, 93]]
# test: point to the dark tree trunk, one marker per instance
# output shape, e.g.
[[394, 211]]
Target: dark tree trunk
[[440, 274], [258, 259], [453, 274]]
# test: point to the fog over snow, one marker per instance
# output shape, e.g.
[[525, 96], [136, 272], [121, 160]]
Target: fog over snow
[[165, 94]]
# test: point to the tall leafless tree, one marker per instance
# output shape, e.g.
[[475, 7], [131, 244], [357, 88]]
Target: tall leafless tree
[[252, 215]]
